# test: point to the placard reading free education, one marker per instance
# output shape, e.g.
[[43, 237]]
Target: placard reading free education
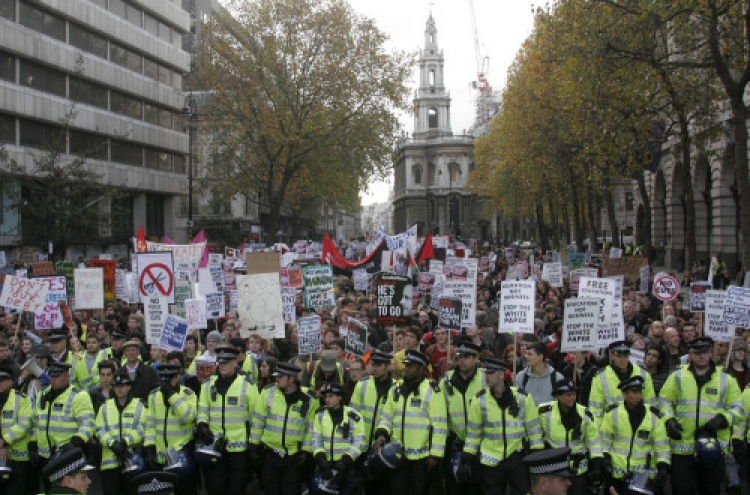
[[517, 306], [394, 299], [715, 327], [580, 324], [308, 333], [604, 290]]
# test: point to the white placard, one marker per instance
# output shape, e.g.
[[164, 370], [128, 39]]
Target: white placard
[[195, 313], [580, 324], [554, 274], [259, 306], [715, 326], [288, 300], [737, 307], [517, 306], [617, 320], [638, 357], [308, 333], [51, 316], [156, 275], [645, 273], [155, 312], [89, 288], [604, 290], [215, 306], [466, 291]]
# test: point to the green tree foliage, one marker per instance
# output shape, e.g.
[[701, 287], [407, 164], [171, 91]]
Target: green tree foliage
[[304, 101]]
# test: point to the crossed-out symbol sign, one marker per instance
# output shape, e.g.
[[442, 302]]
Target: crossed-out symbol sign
[[665, 288], [156, 279]]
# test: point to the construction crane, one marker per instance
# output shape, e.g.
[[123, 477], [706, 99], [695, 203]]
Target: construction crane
[[483, 63], [488, 101]]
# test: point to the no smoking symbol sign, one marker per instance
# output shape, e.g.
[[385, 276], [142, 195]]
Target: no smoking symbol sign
[[157, 280]]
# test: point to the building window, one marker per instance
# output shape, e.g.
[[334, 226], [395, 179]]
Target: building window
[[431, 174], [154, 215], [88, 41], [128, 12], [165, 75], [179, 164], [160, 160], [39, 135], [432, 77], [42, 21], [629, 201], [454, 171], [127, 153], [89, 145], [417, 172], [8, 10], [126, 105], [126, 58], [88, 93], [432, 117], [7, 130], [43, 78], [7, 67], [100, 3], [151, 69]]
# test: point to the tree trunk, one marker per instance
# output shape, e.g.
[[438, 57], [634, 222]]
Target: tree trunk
[[612, 215], [591, 211], [554, 224], [687, 183], [646, 201], [541, 227], [566, 223], [739, 123]]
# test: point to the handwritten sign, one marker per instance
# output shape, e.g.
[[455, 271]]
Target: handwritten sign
[[308, 333], [318, 283], [259, 306], [109, 268], [629, 266], [288, 302], [24, 294], [195, 313]]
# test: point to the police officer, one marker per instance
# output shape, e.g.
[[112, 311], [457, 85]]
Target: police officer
[[15, 431], [63, 414], [120, 427], [170, 423], [225, 406], [549, 471], [568, 424], [338, 440], [503, 425], [415, 416], [368, 399], [634, 439], [58, 343], [460, 386], [604, 388], [699, 399], [281, 425], [155, 483], [68, 473]]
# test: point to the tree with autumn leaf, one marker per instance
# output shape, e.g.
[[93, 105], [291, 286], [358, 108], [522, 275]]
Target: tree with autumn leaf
[[304, 100]]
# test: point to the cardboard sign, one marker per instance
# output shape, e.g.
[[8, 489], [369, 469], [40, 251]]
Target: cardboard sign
[[41, 268], [173, 333], [580, 324], [195, 313], [715, 327], [262, 262], [449, 314], [89, 283], [259, 306], [109, 272], [356, 338], [630, 266], [24, 294], [155, 312], [517, 306], [156, 277], [288, 300], [604, 290], [308, 335], [698, 296], [395, 299], [737, 307]]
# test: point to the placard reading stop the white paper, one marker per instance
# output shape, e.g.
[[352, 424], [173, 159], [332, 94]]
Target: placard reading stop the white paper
[[580, 324], [517, 306]]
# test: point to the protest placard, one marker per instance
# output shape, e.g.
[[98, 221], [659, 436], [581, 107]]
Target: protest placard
[[259, 306], [395, 299], [183, 291], [467, 292], [617, 320], [518, 271], [436, 292], [629, 266], [449, 315], [638, 357], [356, 338], [155, 312], [263, 262], [715, 326], [436, 267], [602, 289], [362, 280], [737, 307], [517, 306], [89, 283], [288, 300], [426, 281], [156, 275], [185, 258], [575, 277], [318, 283], [215, 259], [308, 335], [580, 324], [24, 294], [553, 274], [644, 273], [51, 317], [121, 292], [109, 268], [173, 333], [460, 268], [233, 300], [215, 306], [195, 313], [698, 296], [204, 369]]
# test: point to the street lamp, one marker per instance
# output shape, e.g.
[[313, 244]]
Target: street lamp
[[190, 111]]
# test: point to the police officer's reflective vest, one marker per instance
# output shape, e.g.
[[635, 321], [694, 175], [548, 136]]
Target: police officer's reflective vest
[[584, 440], [740, 429], [127, 425], [604, 389], [638, 451], [367, 403], [250, 366], [417, 421], [57, 421], [284, 428], [170, 426], [83, 377], [496, 433], [228, 415], [458, 403], [16, 425], [681, 399], [335, 441]]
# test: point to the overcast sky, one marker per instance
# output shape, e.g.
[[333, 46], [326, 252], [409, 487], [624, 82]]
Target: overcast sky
[[502, 26]]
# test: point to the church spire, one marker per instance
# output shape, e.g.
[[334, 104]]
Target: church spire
[[430, 36], [432, 102]]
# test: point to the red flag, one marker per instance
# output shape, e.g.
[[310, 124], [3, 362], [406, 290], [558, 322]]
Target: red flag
[[140, 241], [242, 249], [168, 240], [426, 252]]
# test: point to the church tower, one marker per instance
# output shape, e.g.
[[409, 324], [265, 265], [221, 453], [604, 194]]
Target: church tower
[[432, 103]]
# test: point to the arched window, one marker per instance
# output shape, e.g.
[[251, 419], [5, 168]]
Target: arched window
[[454, 171], [432, 77], [432, 118]]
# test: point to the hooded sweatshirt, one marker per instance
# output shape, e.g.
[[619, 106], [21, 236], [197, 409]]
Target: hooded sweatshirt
[[539, 387]]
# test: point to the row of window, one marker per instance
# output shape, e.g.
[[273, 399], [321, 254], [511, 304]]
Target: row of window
[[84, 39], [43, 78], [39, 135]]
